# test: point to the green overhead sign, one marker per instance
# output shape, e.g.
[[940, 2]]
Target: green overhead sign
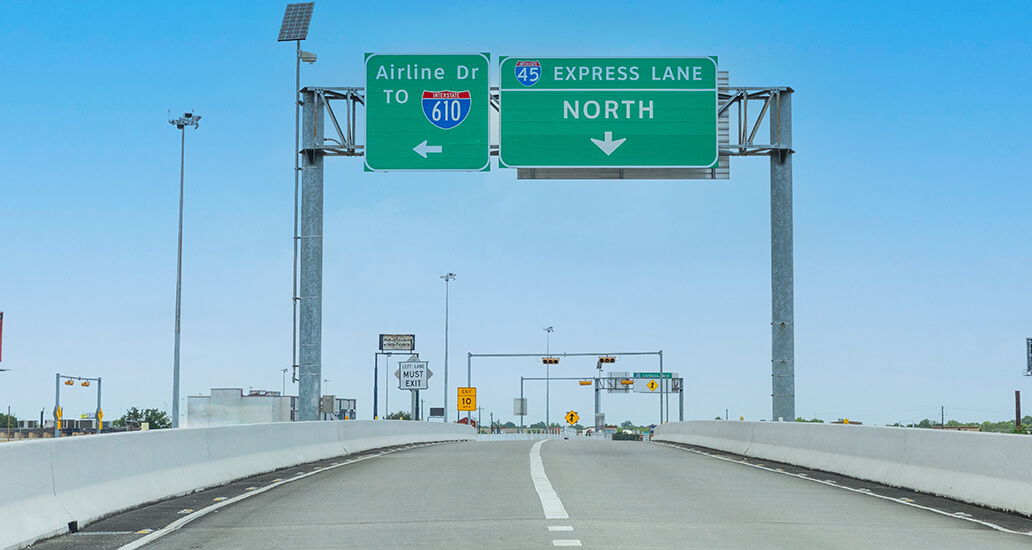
[[652, 375], [427, 112], [608, 112]]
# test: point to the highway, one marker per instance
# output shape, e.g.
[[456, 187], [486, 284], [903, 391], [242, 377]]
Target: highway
[[526, 494]]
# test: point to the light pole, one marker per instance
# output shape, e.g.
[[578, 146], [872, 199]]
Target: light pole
[[188, 119], [548, 351], [296, 19], [447, 279]]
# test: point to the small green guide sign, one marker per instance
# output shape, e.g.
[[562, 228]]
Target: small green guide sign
[[608, 112], [427, 112], [652, 375]]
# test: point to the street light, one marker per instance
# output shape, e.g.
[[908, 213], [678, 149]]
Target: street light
[[296, 19], [548, 382], [447, 279], [188, 119]]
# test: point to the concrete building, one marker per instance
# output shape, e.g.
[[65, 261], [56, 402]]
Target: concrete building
[[229, 406]]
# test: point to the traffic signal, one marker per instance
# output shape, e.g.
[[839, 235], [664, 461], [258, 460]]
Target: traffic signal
[[69, 383], [550, 360], [85, 383], [607, 359]]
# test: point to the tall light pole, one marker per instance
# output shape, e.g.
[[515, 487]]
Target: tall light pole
[[296, 19], [188, 119], [548, 382], [447, 279]]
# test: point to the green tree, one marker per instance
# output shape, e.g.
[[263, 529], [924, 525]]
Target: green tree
[[814, 420], [508, 425], [8, 421], [627, 424], [134, 417], [400, 415]]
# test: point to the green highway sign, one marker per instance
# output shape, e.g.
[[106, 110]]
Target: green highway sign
[[427, 112], [652, 375], [608, 112]]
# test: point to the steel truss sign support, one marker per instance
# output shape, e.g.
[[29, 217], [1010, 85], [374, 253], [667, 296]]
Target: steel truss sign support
[[775, 107]]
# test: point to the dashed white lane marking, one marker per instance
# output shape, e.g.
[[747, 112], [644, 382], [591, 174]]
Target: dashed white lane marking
[[152, 536], [550, 503], [567, 542], [905, 501], [560, 528]]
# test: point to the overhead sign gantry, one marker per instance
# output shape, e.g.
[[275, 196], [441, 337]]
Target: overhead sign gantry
[[675, 114]]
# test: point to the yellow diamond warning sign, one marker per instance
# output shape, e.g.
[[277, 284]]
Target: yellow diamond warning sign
[[652, 385], [572, 417]]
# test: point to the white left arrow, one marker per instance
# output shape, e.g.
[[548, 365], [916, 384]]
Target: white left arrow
[[609, 144], [423, 149]]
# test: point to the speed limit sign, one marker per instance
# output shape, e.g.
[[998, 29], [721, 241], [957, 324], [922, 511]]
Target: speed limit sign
[[467, 399]]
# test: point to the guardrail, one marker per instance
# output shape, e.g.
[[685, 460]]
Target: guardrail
[[55, 482], [988, 469]]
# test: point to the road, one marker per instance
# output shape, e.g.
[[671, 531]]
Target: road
[[614, 494]]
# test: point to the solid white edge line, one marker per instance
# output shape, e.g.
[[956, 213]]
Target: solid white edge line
[[205, 511], [550, 503], [867, 492]]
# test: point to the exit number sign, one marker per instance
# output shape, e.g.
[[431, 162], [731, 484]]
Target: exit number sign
[[467, 399], [608, 112]]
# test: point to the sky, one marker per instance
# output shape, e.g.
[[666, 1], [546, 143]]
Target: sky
[[911, 219]]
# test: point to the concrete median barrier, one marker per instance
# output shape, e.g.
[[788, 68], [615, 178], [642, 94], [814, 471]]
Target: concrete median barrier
[[82, 479], [987, 469]]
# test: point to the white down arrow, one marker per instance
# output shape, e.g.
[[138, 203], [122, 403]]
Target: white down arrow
[[608, 145]]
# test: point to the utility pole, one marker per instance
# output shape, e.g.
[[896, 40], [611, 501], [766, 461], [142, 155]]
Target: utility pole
[[448, 277], [1017, 409], [548, 352]]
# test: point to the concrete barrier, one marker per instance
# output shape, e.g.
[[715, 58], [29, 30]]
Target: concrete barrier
[[53, 482], [987, 469]]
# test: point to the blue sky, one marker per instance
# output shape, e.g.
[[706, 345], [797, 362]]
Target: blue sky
[[911, 221]]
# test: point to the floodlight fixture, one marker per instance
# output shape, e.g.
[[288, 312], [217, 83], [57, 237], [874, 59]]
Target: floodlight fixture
[[296, 19], [308, 57], [188, 119]]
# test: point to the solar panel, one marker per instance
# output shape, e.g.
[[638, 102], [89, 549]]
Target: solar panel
[[295, 21]]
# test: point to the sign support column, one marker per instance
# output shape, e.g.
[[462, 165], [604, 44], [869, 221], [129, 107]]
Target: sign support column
[[310, 356], [781, 262]]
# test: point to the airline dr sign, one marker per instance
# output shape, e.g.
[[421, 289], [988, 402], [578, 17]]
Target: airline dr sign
[[427, 112]]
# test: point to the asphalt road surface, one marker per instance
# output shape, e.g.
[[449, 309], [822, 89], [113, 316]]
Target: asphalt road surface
[[525, 494]]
